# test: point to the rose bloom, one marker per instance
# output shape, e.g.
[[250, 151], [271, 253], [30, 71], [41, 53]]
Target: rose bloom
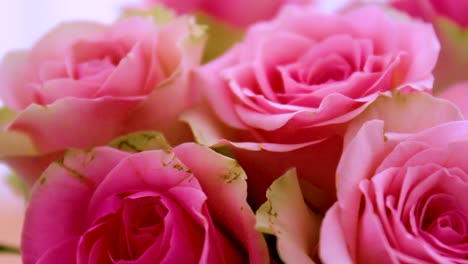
[[159, 206], [240, 13], [289, 216], [83, 84], [282, 97], [401, 197]]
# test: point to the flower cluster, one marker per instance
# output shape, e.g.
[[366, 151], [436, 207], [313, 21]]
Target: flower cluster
[[258, 131]]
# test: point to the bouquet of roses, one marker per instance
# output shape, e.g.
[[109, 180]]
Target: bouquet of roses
[[260, 131]]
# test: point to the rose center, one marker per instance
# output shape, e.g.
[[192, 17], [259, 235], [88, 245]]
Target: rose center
[[148, 218], [93, 58], [136, 222], [444, 220], [94, 67], [324, 70], [449, 228]]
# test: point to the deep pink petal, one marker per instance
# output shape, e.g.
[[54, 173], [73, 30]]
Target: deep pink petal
[[150, 170], [64, 252], [223, 181], [65, 183]]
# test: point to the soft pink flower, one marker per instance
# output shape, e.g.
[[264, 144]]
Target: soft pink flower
[[284, 95], [401, 197], [288, 213], [84, 83], [160, 206], [239, 13]]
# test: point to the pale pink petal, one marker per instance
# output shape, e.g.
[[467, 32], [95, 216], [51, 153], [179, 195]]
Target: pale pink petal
[[56, 42], [286, 216], [154, 113], [372, 243], [207, 129], [333, 248], [451, 131], [56, 89], [369, 147], [217, 91], [129, 76], [402, 113], [71, 122], [401, 154]]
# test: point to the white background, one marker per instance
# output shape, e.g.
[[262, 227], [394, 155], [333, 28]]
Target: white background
[[24, 21]]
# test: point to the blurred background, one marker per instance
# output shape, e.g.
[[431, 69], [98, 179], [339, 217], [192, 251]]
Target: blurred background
[[22, 22]]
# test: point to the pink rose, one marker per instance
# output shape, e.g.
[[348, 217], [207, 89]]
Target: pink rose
[[401, 193], [295, 222], [282, 97], [240, 13], [159, 206], [84, 83]]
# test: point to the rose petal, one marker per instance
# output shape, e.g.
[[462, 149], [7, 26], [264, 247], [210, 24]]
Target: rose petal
[[401, 113], [333, 248], [136, 173], [56, 42], [57, 126], [219, 98], [65, 251], [80, 172], [372, 243], [286, 215], [369, 147], [223, 180]]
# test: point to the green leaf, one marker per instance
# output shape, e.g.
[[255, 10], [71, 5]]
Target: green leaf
[[221, 36]]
